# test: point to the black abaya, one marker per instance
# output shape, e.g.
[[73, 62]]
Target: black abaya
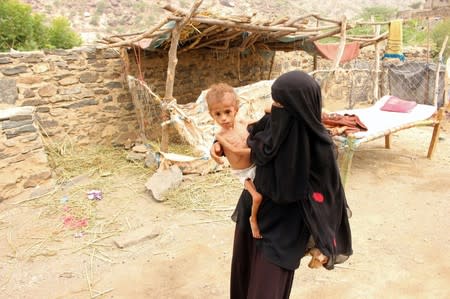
[[297, 175]]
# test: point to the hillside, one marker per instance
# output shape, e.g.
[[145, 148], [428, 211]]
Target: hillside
[[96, 18]]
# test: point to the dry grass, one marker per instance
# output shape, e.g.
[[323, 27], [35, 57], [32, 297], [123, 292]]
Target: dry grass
[[212, 193]]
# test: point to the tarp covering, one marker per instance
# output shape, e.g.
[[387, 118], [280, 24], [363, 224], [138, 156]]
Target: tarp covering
[[329, 51]]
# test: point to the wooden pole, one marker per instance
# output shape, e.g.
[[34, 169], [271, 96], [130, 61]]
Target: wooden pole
[[438, 69], [342, 43], [426, 97], [447, 85], [376, 93], [173, 60]]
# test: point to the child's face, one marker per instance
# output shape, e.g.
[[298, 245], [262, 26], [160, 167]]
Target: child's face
[[224, 112]]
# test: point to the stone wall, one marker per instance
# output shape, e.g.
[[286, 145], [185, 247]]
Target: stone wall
[[79, 94], [23, 160], [197, 70]]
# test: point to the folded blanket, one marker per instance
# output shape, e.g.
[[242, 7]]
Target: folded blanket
[[338, 124]]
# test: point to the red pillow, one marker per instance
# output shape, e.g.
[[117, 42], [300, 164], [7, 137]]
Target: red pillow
[[394, 104]]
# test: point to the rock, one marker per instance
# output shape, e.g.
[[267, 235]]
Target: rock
[[9, 94], [136, 236], [161, 181], [140, 148]]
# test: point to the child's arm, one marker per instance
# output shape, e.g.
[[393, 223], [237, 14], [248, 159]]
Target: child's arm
[[216, 152], [232, 148], [268, 107]]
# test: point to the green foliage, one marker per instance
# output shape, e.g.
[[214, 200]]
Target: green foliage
[[414, 32], [438, 34], [61, 36], [16, 25], [379, 12], [21, 29]]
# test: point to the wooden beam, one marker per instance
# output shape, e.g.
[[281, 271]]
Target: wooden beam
[[376, 75], [173, 60], [342, 43], [438, 69]]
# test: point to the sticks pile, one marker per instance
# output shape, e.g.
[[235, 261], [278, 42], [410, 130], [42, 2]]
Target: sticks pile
[[205, 30]]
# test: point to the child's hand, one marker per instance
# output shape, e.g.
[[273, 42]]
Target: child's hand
[[216, 152]]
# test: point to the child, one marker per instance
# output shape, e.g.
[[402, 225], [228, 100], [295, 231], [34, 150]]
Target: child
[[223, 105]]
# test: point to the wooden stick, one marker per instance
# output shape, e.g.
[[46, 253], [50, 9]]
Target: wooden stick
[[147, 33], [377, 66], [234, 25], [438, 69], [173, 60], [88, 280], [102, 293], [342, 43], [436, 131]]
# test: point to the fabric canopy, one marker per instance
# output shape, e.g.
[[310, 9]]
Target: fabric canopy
[[329, 51]]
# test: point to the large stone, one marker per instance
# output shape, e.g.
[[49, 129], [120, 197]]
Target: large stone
[[34, 102], [83, 103], [40, 68], [163, 180], [136, 236], [88, 77], [29, 80], [28, 93], [48, 90], [12, 112], [70, 91], [8, 91], [11, 71], [11, 133], [34, 58], [5, 60], [16, 124], [68, 81], [37, 178]]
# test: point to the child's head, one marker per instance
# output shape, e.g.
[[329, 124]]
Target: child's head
[[223, 104]]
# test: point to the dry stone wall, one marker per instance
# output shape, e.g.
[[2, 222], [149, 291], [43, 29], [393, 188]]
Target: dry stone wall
[[23, 160], [79, 94]]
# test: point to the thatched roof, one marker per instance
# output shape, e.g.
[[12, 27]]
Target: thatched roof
[[206, 29]]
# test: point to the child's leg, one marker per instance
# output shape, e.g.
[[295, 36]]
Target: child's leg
[[256, 201]]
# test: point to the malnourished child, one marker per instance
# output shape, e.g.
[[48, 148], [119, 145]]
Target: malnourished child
[[223, 105]]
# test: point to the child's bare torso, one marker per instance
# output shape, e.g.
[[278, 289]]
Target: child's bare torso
[[234, 144]]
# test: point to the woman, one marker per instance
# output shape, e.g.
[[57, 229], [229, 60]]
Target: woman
[[303, 197]]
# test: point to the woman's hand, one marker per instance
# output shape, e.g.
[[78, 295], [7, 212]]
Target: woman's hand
[[216, 152]]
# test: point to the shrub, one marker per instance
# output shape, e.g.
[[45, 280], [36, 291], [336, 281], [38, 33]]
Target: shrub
[[24, 30], [61, 36], [438, 34]]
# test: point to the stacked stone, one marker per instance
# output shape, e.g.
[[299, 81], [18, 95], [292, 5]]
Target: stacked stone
[[78, 94], [23, 160]]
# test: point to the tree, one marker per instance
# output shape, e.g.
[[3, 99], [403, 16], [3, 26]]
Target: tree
[[17, 25], [60, 34], [21, 29]]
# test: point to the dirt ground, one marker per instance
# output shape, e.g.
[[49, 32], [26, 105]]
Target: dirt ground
[[400, 226]]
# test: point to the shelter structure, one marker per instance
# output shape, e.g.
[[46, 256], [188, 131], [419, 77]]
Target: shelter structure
[[236, 39]]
